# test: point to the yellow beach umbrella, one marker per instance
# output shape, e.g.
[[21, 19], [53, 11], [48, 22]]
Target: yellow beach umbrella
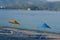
[[12, 21]]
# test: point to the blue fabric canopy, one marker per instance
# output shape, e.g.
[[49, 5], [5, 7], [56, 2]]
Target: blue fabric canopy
[[44, 25]]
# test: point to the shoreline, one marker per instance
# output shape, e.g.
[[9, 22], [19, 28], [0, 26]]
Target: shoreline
[[50, 35], [29, 30]]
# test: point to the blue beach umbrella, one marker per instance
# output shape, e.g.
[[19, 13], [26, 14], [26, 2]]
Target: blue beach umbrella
[[44, 25]]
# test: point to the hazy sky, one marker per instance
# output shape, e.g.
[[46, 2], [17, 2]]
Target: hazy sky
[[53, 0]]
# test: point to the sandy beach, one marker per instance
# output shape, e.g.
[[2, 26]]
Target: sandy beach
[[50, 35]]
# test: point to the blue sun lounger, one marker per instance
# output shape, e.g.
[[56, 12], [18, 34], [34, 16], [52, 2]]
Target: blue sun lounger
[[39, 36], [5, 31]]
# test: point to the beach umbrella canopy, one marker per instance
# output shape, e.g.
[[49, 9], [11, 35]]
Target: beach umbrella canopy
[[12, 21], [44, 25]]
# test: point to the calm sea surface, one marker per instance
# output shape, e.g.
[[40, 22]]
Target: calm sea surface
[[31, 19]]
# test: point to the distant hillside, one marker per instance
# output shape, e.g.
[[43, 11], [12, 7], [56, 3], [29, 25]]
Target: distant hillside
[[18, 2], [33, 4]]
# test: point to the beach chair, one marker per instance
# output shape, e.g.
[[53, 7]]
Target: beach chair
[[6, 31], [38, 36]]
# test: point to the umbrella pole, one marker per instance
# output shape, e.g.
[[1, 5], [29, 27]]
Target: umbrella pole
[[44, 31]]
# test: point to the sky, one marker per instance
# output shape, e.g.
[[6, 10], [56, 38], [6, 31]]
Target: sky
[[53, 0]]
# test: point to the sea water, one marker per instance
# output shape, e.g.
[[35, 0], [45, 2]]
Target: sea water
[[31, 19]]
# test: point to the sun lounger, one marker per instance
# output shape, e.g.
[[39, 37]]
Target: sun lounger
[[39, 36], [6, 31]]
